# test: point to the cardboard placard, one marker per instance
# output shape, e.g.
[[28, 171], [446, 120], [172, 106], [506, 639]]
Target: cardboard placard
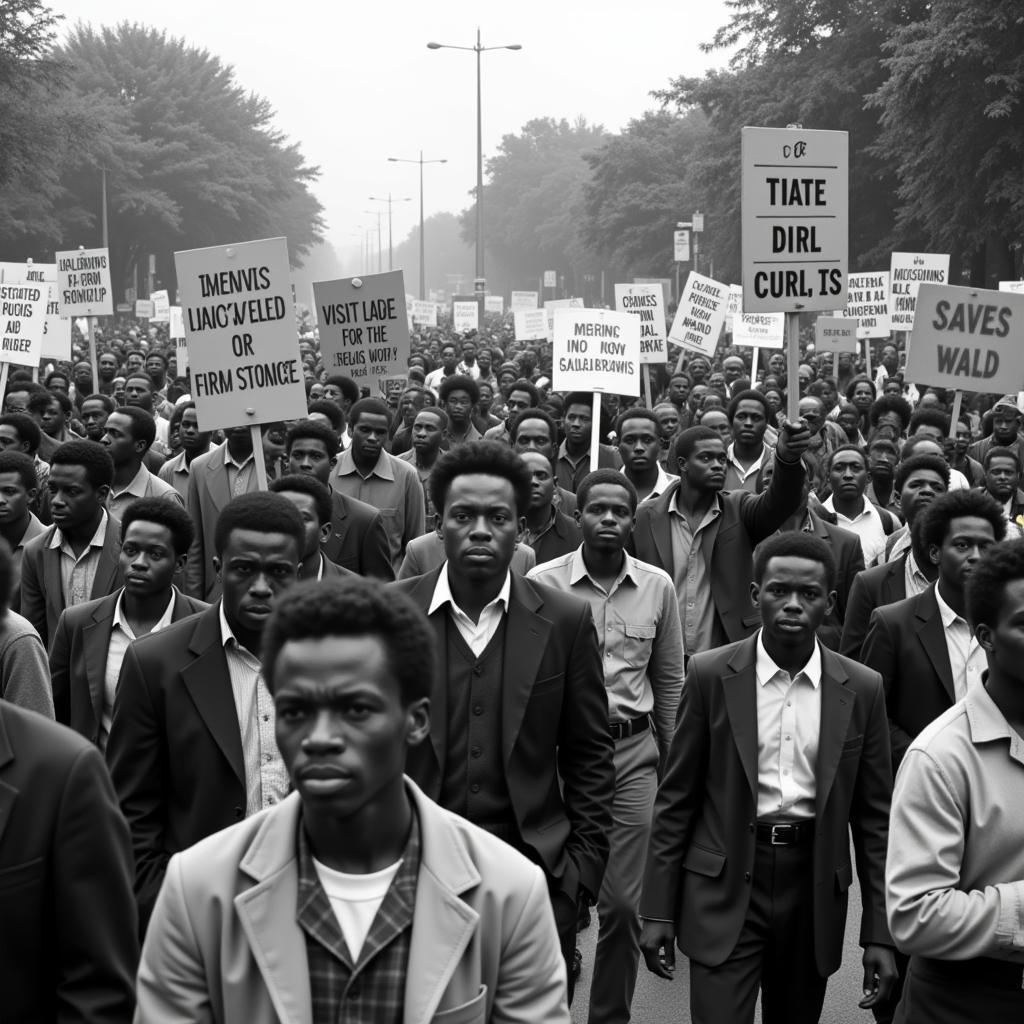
[[835, 334], [759, 330], [57, 332], [494, 304], [83, 283], [144, 309], [908, 271], [364, 328], [465, 317], [531, 325], [550, 278], [523, 302], [161, 307], [967, 338], [700, 315], [239, 320], [733, 306], [551, 305], [795, 219], [681, 245], [23, 321], [1012, 286], [596, 350], [868, 303], [424, 313], [647, 303]]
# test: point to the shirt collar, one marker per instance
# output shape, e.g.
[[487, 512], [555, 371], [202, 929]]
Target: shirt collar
[[162, 622], [98, 538], [766, 668], [137, 487], [915, 569], [946, 613], [347, 465], [230, 460], [713, 511], [563, 453], [987, 722], [730, 454], [578, 569], [227, 634], [443, 593], [867, 510], [661, 485]]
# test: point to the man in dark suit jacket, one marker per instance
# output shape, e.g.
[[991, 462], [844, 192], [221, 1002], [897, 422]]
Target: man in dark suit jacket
[[68, 934], [729, 525], [357, 539], [880, 585], [156, 535], [519, 741], [83, 534], [749, 861], [177, 750]]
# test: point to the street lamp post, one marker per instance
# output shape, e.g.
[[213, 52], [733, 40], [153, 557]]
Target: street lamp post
[[478, 49], [421, 162], [389, 201], [378, 214]]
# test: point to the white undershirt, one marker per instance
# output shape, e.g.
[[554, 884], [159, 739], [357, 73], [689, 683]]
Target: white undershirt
[[355, 900]]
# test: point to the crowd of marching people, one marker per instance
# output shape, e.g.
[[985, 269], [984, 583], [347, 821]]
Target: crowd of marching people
[[375, 743]]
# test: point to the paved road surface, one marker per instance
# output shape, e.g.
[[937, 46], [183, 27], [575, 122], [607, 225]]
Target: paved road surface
[[668, 1002]]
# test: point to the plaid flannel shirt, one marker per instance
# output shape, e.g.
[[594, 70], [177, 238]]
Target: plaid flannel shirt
[[373, 989]]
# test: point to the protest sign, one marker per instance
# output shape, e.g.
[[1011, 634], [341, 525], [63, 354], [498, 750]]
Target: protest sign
[[465, 317], [733, 306], [523, 302], [161, 307], [22, 322], [364, 330], [664, 282], [967, 338], [759, 330], [239, 320], [596, 350], [1012, 286], [57, 330], [909, 270], [494, 304], [647, 303], [531, 325], [700, 315], [550, 278], [868, 302], [144, 309], [83, 283], [681, 245], [176, 332], [794, 219], [424, 313], [835, 334], [551, 305]]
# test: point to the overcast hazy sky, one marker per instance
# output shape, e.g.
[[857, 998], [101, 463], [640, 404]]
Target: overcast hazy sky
[[354, 83]]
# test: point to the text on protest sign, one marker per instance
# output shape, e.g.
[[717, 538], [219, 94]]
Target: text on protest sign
[[465, 316], [424, 313], [57, 330], [364, 330], [161, 307], [531, 325], [144, 309], [551, 305], [835, 334], [494, 304], [647, 303], [700, 315], [868, 303], [795, 219], [243, 352], [908, 271], [967, 338], [83, 283], [759, 330], [596, 350], [734, 306], [523, 302], [22, 322], [176, 332]]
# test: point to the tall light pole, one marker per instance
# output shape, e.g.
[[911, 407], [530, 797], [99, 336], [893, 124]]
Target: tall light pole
[[389, 201], [478, 285], [378, 214], [421, 162]]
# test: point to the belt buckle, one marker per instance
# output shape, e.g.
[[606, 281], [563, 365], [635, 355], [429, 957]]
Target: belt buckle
[[777, 834]]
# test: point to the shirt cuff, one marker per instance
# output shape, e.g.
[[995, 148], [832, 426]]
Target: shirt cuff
[[1010, 927]]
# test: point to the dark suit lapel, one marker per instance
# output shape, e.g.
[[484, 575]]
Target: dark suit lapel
[[660, 522], [891, 589], [95, 642], [52, 582], [108, 569], [209, 683], [740, 691], [526, 640], [422, 593], [8, 793], [933, 639], [836, 709], [217, 483]]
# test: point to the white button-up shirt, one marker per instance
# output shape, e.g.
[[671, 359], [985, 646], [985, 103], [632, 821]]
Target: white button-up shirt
[[78, 572], [867, 525], [788, 727], [476, 634], [966, 656]]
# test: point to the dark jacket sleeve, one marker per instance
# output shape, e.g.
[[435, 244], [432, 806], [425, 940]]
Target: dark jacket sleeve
[[375, 555], [762, 514], [880, 652], [33, 600], [60, 671]]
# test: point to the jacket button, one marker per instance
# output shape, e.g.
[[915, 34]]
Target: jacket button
[[238, 812]]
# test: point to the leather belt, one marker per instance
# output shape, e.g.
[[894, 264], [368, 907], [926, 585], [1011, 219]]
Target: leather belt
[[620, 730], [791, 833]]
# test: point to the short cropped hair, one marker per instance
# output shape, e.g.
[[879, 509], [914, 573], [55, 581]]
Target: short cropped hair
[[909, 466], [686, 442], [311, 430], [488, 457], [459, 382], [986, 587], [261, 512], [25, 427], [840, 450], [638, 412], [750, 395], [575, 398], [99, 466], [330, 410], [18, 462], [606, 476], [143, 424], [938, 514], [313, 610], [107, 402], [533, 414], [370, 406], [303, 483], [795, 544], [163, 513], [995, 452]]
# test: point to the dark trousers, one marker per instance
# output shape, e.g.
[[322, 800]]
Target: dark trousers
[[774, 953], [946, 993]]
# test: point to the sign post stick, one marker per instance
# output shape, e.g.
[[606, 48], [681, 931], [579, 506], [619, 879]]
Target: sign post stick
[[955, 415], [595, 432], [649, 401], [835, 365], [867, 356], [92, 354], [792, 366], [753, 367], [258, 457]]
